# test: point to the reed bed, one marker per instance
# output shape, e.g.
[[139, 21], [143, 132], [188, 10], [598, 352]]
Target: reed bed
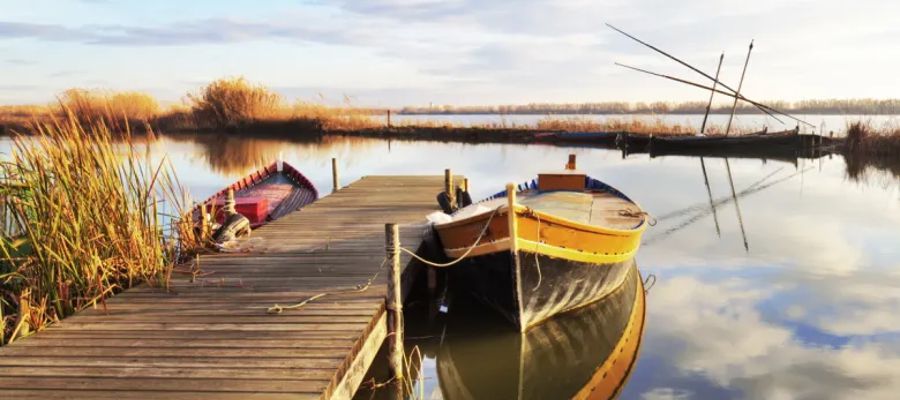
[[86, 214], [233, 103], [868, 147], [120, 110], [646, 126]]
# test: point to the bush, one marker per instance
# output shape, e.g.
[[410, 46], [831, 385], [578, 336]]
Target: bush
[[233, 102]]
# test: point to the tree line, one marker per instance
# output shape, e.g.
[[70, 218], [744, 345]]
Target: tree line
[[825, 106]]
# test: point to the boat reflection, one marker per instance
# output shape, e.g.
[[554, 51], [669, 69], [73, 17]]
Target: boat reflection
[[586, 354]]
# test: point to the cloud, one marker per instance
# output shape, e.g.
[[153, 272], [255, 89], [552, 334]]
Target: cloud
[[714, 330], [20, 61], [19, 30], [206, 31]]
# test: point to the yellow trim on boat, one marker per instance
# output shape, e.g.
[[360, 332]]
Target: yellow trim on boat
[[573, 255], [544, 249], [610, 377]]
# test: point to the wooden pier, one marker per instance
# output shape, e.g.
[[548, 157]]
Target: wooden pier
[[210, 336]]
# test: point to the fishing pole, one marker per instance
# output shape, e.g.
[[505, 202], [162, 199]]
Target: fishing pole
[[701, 86], [692, 68], [738, 93], [711, 94]]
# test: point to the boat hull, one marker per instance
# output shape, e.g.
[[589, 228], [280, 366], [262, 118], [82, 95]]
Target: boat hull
[[528, 288], [788, 139], [588, 353], [266, 194]]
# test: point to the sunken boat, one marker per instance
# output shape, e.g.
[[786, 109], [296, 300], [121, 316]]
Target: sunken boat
[[588, 353], [545, 247], [789, 139], [264, 195]]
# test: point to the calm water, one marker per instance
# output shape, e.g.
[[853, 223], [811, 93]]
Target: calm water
[[808, 309]]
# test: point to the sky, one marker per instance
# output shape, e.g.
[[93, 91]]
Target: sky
[[461, 52]]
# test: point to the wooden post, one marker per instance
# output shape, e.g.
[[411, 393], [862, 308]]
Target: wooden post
[[571, 164], [389, 118], [511, 216], [230, 203], [394, 301], [448, 187], [335, 181]]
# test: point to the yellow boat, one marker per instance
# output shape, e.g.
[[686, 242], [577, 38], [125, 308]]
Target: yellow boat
[[568, 242], [586, 354]]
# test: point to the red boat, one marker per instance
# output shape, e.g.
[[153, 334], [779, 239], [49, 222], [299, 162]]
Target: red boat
[[265, 195]]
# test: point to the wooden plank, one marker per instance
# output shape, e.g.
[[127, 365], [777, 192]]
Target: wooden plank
[[346, 387], [38, 394], [210, 337]]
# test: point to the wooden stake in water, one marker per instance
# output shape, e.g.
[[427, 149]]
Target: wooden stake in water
[[394, 301], [711, 94], [334, 175], [737, 93]]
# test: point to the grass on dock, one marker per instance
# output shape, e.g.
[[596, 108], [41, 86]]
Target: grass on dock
[[84, 217]]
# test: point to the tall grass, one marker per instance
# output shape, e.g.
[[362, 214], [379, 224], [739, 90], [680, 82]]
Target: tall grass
[[234, 102], [84, 219], [118, 109], [336, 118], [656, 126], [869, 146]]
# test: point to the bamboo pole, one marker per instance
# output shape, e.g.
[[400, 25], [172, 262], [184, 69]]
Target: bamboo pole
[[764, 108], [799, 121], [711, 94], [737, 93], [709, 194], [737, 207], [394, 301], [335, 181]]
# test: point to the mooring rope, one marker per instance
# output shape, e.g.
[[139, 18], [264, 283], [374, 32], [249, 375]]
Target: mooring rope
[[649, 282], [278, 309], [537, 243], [637, 214], [462, 257]]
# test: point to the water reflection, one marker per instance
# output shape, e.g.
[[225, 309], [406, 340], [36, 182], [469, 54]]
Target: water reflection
[[587, 353], [235, 156], [809, 312]]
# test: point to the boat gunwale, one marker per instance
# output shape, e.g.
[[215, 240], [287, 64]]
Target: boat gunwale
[[260, 175], [547, 249], [543, 216]]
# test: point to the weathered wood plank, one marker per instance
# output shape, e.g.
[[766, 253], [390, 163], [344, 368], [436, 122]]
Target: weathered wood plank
[[210, 337]]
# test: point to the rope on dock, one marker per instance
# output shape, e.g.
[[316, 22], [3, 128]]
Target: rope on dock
[[278, 309], [462, 257]]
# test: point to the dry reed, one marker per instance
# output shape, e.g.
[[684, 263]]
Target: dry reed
[[118, 109], [631, 125], [85, 217]]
